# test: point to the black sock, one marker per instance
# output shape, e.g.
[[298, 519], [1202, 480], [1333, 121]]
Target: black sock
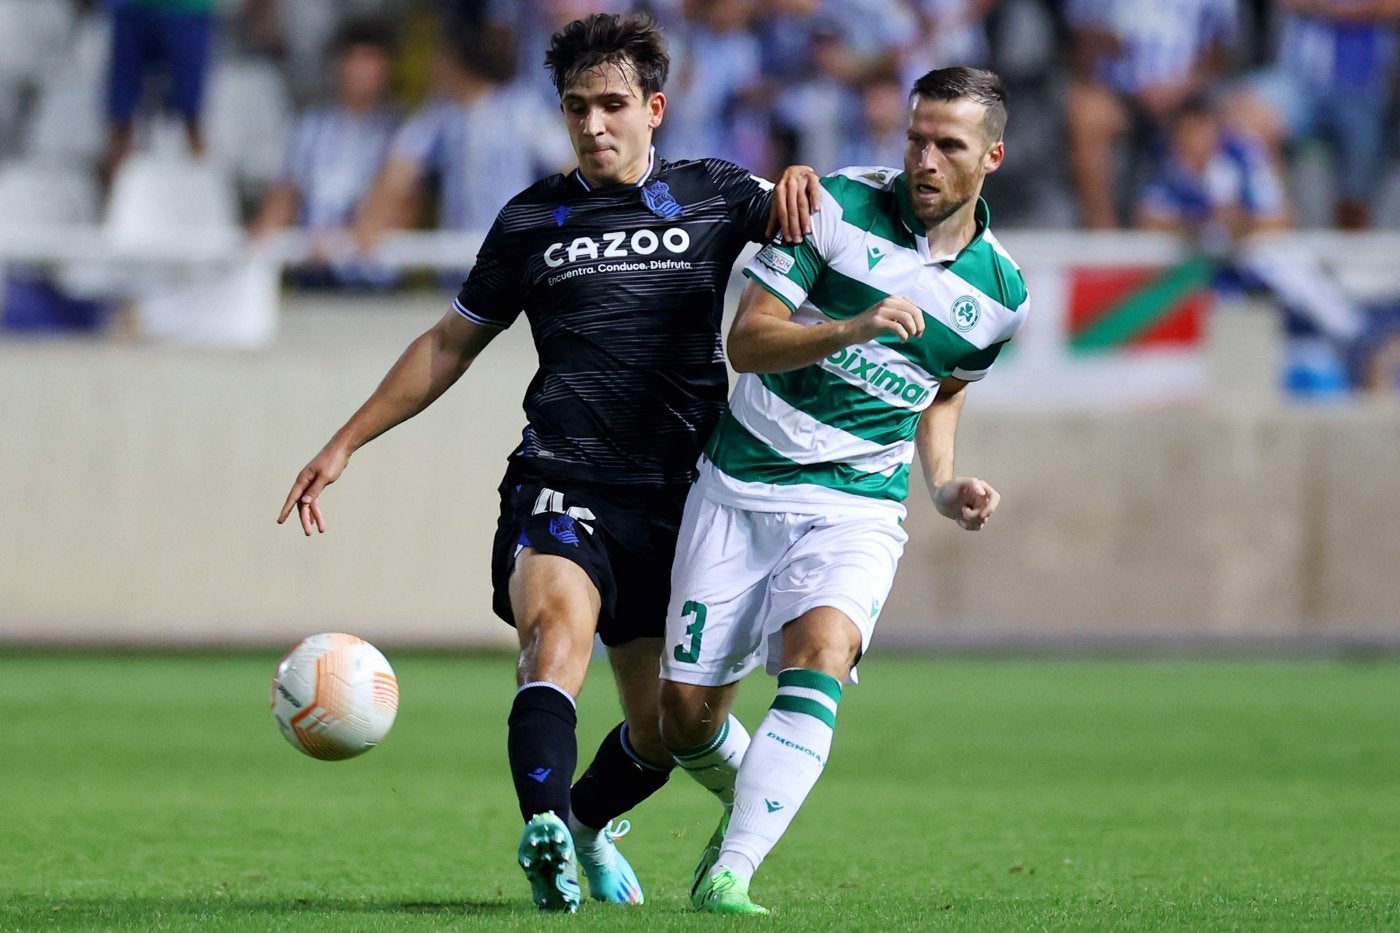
[[543, 749], [616, 781]]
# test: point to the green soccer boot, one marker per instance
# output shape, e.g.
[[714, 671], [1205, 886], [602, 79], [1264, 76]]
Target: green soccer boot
[[546, 854], [725, 893], [710, 855]]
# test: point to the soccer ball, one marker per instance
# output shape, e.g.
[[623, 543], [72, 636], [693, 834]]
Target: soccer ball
[[334, 696]]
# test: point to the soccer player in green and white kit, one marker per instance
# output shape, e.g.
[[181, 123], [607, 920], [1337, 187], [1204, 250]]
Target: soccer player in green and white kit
[[855, 347]]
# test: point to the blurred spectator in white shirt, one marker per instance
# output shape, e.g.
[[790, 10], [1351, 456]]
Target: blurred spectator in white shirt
[[1334, 76], [716, 70], [1132, 64], [475, 143], [336, 152]]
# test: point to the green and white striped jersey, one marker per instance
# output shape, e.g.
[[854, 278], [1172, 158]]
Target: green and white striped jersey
[[839, 433]]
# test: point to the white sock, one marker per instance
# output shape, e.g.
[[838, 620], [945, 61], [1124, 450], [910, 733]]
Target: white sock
[[584, 836], [789, 751], [715, 765]]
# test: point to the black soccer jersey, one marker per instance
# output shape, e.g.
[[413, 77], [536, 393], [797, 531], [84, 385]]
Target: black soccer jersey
[[624, 289]]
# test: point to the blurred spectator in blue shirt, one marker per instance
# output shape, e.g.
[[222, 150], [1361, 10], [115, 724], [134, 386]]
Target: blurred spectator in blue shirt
[[1377, 356], [950, 32], [171, 38], [1334, 74], [534, 23], [880, 134], [479, 140], [1221, 189], [1211, 185], [815, 53], [336, 152], [713, 91], [1133, 63]]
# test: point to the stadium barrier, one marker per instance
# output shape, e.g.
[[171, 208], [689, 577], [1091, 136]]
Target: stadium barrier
[[1157, 490]]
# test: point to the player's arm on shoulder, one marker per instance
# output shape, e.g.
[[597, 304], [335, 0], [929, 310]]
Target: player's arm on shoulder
[[796, 197], [967, 500], [765, 208], [425, 370]]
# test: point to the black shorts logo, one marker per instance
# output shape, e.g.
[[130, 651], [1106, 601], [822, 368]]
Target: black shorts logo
[[565, 524]]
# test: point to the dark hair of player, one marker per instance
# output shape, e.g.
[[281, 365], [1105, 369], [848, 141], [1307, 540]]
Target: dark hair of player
[[975, 84], [632, 42]]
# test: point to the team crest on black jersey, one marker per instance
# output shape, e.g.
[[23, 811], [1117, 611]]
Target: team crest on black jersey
[[660, 202], [560, 214]]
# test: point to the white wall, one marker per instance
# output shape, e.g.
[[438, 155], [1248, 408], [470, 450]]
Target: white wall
[[139, 483]]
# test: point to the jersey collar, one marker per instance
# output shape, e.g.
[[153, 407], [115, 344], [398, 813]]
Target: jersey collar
[[646, 176], [981, 214]]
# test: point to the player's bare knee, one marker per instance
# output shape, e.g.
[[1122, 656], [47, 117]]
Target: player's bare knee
[[835, 658], [689, 717], [552, 650], [822, 639]]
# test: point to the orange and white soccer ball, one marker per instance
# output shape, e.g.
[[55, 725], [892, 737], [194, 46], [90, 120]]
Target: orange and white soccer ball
[[334, 696]]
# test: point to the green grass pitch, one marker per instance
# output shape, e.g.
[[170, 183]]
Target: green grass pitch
[[150, 792]]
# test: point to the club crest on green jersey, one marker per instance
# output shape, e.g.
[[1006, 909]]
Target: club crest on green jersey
[[966, 313]]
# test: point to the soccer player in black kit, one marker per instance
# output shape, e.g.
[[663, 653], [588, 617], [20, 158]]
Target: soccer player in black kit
[[621, 268]]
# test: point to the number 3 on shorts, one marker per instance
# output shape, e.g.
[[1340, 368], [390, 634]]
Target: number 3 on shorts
[[694, 630]]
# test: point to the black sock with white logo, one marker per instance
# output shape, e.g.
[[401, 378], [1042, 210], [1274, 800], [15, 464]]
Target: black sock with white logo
[[616, 781], [543, 748]]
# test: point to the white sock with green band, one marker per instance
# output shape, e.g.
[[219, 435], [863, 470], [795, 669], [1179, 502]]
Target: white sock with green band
[[787, 755], [715, 764]]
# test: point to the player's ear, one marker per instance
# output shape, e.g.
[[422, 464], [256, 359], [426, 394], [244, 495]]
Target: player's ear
[[992, 160], [657, 105]]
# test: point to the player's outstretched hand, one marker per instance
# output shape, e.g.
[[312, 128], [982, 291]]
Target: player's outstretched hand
[[967, 500], [895, 315], [305, 496], [796, 197]]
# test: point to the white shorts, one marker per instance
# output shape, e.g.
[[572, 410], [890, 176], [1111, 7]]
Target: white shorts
[[741, 575]]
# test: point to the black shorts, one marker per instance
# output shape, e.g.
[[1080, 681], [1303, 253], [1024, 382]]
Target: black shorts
[[624, 538]]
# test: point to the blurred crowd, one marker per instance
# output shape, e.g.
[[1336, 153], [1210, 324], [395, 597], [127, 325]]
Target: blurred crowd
[[1234, 114], [1212, 118]]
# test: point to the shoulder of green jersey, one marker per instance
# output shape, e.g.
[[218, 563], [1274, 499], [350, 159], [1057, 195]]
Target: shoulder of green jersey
[[855, 188], [1015, 322], [990, 269], [991, 238], [874, 176]]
